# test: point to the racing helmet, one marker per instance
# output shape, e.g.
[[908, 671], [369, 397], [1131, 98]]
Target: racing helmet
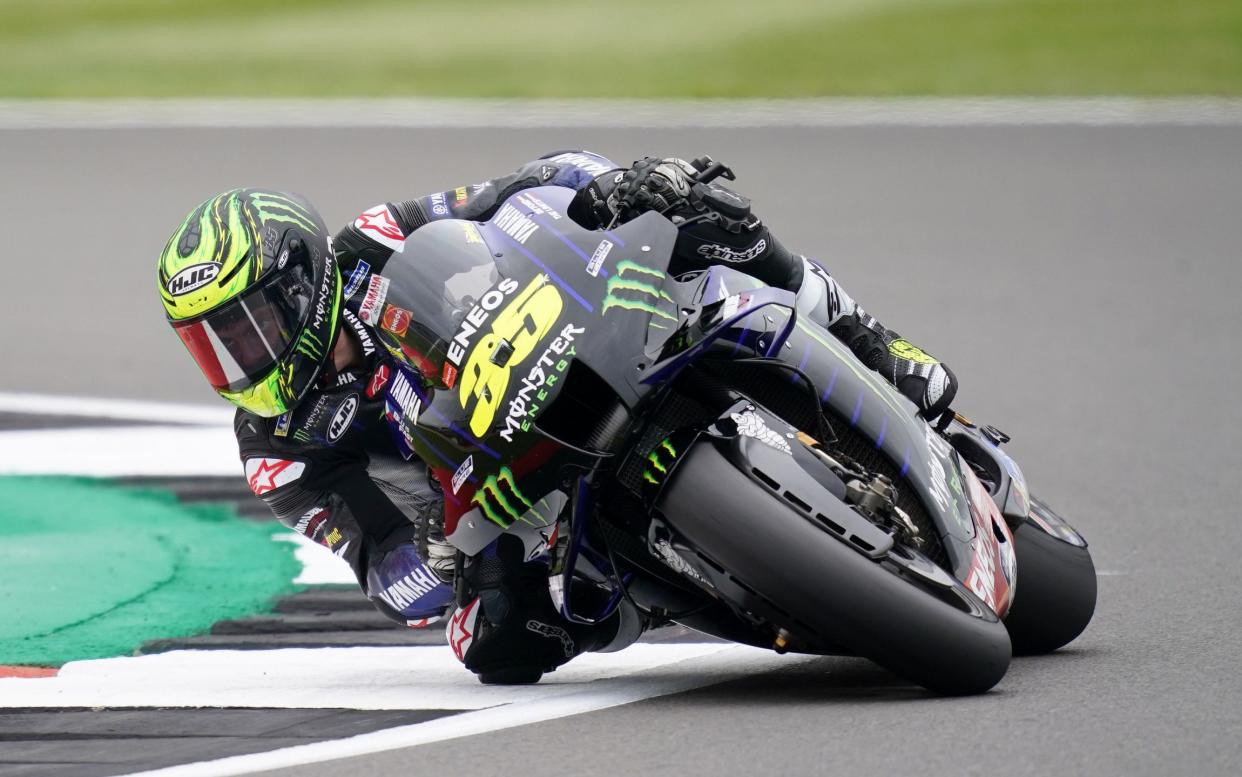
[[250, 285]]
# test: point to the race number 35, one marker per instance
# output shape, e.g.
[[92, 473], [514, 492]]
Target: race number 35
[[522, 324]]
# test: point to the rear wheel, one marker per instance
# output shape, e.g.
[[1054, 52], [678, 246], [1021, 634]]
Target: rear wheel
[[939, 636], [1055, 596]]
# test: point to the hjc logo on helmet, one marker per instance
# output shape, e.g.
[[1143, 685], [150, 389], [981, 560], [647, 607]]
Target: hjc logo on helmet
[[193, 277]]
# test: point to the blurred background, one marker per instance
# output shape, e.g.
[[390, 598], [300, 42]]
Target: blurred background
[[607, 48]]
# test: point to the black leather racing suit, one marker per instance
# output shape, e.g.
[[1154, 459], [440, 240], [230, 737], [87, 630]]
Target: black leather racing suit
[[330, 468]]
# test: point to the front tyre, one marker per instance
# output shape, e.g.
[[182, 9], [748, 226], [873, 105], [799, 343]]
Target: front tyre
[[813, 581]]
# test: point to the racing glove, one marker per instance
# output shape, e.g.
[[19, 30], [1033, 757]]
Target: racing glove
[[715, 223], [662, 185]]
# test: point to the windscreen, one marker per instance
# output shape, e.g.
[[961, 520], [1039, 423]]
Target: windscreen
[[444, 270]]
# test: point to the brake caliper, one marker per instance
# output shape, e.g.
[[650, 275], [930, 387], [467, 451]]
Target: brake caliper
[[871, 495]]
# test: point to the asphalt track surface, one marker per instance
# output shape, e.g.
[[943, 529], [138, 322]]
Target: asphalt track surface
[[1082, 282]]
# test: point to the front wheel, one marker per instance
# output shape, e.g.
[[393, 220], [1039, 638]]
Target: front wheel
[[811, 581]]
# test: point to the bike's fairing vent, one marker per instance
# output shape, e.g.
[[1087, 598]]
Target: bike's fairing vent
[[676, 410], [782, 393], [586, 412]]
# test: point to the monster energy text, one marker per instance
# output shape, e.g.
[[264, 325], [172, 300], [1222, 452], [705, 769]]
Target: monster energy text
[[542, 376], [325, 292]]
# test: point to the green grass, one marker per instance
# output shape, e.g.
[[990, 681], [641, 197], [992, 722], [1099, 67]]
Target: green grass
[[619, 48]]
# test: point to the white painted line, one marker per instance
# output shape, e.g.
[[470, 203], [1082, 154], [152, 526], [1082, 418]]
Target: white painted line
[[122, 451], [320, 566], [363, 678], [547, 701], [119, 409], [432, 113]]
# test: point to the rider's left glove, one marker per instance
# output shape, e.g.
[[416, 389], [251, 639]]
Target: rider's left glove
[[662, 185]]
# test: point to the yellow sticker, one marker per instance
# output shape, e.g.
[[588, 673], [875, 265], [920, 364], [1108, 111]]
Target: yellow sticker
[[903, 349]]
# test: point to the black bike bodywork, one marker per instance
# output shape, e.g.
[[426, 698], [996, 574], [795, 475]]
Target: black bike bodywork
[[698, 446]]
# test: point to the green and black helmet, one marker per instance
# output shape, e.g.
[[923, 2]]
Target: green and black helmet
[[250, 285]]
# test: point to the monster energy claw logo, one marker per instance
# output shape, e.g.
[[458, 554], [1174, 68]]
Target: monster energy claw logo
[[276, 207], [309, 345], [659, 461], [637, 287], [500, 499]]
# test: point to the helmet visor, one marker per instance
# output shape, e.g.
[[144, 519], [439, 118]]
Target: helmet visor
[[240, 342]]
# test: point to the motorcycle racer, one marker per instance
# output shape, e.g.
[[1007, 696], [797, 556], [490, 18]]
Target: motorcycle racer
[[281, 319]]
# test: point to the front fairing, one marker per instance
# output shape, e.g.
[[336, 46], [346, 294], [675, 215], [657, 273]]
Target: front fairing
[[499, 311]]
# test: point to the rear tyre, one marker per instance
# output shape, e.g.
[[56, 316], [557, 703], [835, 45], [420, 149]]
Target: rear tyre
[[951, 644], [1055, 596]]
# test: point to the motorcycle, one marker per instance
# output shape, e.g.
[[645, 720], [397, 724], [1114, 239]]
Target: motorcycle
[[698, 449]]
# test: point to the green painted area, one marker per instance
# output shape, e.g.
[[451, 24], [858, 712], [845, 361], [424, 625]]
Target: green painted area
[[605, 48], [92, 570]]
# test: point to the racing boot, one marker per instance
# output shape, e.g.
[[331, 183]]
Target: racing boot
[[920, 377], [509, 632]]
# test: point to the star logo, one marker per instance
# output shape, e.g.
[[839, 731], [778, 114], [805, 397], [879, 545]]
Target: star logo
[[459, 629], [265, 475], [378, 381], [380, 221]]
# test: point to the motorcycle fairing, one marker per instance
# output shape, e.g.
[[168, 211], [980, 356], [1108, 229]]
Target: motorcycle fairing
[[738, 315], [544, 311], [993, 566], [554, 304], [1007, 484], [852, 394]]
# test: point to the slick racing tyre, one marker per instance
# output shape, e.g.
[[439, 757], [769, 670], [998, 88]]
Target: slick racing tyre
[[949, 644], [1055, 596]]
